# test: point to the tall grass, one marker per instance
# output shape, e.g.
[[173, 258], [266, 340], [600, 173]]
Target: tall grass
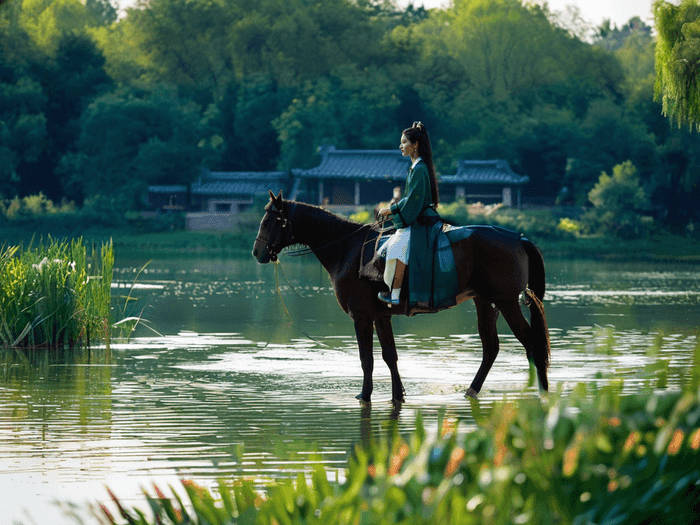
[[55, 295]]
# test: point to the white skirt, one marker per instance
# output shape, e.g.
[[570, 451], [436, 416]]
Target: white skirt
[[398, 246]]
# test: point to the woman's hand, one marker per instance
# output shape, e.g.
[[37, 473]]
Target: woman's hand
[[384, 212]]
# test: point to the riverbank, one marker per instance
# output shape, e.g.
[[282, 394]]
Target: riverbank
[[239, 243]]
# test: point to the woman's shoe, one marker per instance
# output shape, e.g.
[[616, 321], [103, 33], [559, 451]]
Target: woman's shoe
[[386, 297]]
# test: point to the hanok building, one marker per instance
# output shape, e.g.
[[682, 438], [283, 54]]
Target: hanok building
[[348, 178], [487, 181], [216, 198], [233, 191]]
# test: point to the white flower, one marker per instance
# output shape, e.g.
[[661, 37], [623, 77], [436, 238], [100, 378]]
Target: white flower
[[40, 267]]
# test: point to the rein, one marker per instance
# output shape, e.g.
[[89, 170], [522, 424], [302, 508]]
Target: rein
[[279, 293], [309, 251]]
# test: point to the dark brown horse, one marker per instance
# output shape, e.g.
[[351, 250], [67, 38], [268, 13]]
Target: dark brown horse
[[494, 268]]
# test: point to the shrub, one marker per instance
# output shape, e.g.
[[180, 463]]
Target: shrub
[[532, 223], [618, 203], [33, 207]]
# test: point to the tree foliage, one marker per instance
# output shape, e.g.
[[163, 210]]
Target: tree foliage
[[619, 201], [678, 60], [91, 104]]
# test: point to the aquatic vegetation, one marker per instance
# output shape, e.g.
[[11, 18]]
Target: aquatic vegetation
[[597, 456], [55, 295]]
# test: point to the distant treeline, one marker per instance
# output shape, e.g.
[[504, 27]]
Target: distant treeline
[[95, 108]]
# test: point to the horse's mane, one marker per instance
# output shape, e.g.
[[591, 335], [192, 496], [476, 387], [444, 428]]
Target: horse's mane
[[316, 225], [317, 213]]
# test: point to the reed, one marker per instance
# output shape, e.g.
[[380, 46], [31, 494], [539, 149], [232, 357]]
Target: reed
[[55, 295]]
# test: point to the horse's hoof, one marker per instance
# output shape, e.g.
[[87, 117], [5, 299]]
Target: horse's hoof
[[362, 399], [471, 393]]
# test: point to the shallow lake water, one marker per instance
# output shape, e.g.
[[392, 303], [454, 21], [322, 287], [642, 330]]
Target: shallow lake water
[[231, 387]]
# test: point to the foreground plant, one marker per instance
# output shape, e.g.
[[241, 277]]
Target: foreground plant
[[55, 295], [599, 457]]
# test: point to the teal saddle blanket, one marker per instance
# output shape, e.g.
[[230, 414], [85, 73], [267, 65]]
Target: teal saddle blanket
[[432, 282]]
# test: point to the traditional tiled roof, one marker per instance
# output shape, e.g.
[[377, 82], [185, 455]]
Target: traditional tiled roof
[[238, 182], [484, 172], [358, 164], [165, 188]]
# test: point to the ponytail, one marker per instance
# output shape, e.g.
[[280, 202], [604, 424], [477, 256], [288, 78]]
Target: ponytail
[[418, 133]]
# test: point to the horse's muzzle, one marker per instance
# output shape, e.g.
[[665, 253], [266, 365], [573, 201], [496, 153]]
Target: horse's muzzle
[[262, 256]]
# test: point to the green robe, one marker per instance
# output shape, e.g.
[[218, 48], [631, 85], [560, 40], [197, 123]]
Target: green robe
[[432, 277], [417, 198]]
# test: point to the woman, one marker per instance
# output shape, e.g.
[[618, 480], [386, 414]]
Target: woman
[[418, 205]]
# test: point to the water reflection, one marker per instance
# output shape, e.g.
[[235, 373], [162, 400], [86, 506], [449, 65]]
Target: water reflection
[[234, 388]]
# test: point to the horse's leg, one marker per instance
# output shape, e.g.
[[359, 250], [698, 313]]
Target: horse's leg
[[364, 332], [487, 316], [385, 334], [523, 332]]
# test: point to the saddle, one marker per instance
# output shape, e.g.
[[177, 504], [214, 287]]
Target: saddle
[[432, 281], [371, 264]]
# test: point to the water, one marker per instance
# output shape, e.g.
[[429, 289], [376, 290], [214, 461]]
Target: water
[[233, 388]]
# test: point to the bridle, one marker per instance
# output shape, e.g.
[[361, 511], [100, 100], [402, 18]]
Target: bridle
[[281, 231]]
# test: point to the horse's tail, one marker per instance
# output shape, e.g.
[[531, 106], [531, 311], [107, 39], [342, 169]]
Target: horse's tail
[[538, 321]]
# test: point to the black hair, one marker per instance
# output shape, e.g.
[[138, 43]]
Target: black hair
[[418, 133]]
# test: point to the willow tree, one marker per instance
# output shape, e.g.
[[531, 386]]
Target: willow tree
[[677, 84]]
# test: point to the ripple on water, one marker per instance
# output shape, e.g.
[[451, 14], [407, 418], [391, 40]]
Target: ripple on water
[[234, 389]]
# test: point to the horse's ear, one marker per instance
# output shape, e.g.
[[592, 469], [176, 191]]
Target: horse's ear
[[276, 201]]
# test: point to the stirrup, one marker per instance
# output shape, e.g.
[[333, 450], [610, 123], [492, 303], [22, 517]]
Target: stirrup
[[386, 297]]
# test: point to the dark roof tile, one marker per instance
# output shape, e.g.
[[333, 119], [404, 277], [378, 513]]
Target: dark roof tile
[[484, 172], [358, 164], [237, 182]]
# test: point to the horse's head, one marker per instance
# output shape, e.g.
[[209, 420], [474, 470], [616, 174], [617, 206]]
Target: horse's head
[[275, 232]]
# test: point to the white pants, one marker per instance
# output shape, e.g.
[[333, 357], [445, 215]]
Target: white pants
[[397, 248]]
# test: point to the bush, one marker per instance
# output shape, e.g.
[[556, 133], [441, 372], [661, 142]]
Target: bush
[[531, 223], [618, 204], [33, 207]]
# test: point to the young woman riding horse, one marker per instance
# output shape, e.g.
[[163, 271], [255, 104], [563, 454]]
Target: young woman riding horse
[[417, 206], [495, 267]]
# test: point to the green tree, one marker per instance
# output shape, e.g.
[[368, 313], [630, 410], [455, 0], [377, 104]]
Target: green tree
[[23, 131], [70, 79], [677, 59], [47, 21], [244, 121], [352, 108], [670, 170], [183, 43], [612, 38], [619, 200], [128, 141]]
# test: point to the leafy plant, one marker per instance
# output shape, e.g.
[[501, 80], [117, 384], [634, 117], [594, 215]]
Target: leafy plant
[[596, 457], [55, 295], [619, 201]]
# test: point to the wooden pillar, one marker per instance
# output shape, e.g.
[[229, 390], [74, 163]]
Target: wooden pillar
[[507, 196]]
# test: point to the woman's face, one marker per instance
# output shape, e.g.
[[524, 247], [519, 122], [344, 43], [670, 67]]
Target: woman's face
[[407, 147]]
